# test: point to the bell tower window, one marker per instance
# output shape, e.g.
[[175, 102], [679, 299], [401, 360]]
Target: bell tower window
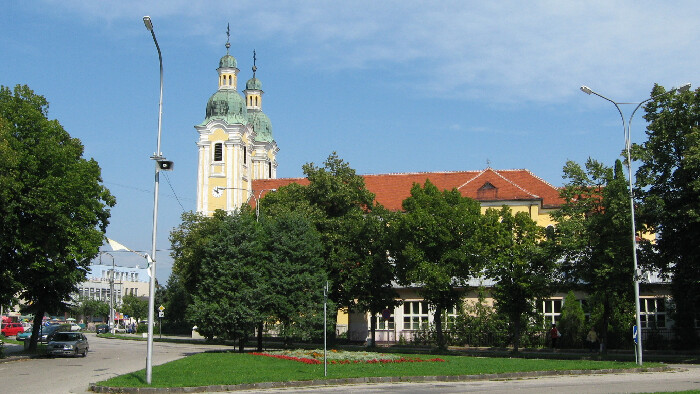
[[218, 152]]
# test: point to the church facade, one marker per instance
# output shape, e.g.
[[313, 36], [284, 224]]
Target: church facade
[[235, 145]]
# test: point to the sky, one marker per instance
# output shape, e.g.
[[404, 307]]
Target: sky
[[391, 86]]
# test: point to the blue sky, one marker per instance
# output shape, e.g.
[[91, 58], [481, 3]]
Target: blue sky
[[393, 86]]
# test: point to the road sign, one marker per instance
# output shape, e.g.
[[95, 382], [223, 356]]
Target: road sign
[[635, 334], [161, 314], [161, 308]]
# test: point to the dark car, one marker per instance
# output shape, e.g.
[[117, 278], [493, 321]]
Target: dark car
[[48, 331], [67, 343], [102, 329]]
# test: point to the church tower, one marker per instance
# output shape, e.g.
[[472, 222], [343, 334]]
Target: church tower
[[235, 142]]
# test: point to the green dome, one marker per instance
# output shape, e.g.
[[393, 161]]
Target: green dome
[[228, 105], [253, 84], [227, 61], [261, 125]]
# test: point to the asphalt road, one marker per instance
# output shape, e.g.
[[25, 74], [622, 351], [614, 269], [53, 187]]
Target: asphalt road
[[108, 358], [688, 379]]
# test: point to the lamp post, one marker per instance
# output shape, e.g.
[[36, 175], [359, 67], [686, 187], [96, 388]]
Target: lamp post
[[111, 292], [628, 146], [157, 156], [219, 189]]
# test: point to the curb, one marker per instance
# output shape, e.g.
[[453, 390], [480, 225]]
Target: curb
[[391, 379]]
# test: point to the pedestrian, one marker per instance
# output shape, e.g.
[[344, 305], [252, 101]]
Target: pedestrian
[[592, 339], [554, 334]]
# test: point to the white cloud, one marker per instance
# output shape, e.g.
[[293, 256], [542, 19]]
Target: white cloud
[[503, 51]]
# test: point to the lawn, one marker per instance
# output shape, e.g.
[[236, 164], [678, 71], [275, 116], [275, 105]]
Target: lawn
[[237, 368]]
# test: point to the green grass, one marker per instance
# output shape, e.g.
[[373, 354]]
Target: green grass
[[235, 368]]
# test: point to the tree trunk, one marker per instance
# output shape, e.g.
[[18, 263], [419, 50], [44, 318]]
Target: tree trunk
[[604, 329], [36, 327], [516, 333], [241, 345], [438, 327], [372, 329]]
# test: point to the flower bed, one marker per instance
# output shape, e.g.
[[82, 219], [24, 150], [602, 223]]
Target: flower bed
[[343, 357]]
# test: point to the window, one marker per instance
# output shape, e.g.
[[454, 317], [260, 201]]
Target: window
[[449, 317], [245, 155], [269, 170], [551, 310], [652, 312], [415, 315], [384, 324], [218, 152]]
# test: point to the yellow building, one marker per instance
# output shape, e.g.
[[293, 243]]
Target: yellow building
[[235, 143]]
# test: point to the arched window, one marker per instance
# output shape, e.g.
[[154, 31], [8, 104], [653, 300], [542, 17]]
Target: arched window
[[218, 152], [269, 169], [245, 155]]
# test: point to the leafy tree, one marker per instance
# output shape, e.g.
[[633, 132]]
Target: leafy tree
[[177, 299], [341, 208], [572, 322], [135, 307], [593, 233], [190, 242], [90, 308], [521, 263], [340, 195], [478, 324], [54, 209], [230, 294], [370, 281], [291, 253], [669, 186], [436, 244]]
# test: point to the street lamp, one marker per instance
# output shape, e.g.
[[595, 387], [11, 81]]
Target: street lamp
[[111, 292], [218, 189], [161, 163], [628, 146]]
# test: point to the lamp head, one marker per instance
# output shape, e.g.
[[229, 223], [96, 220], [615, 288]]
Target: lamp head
[[148, 23], [586, 89]]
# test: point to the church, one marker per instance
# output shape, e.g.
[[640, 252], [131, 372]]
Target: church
[[238, 163]]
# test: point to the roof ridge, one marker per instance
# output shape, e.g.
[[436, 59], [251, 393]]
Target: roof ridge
[[474, 177], [420, 172], [505, 179]]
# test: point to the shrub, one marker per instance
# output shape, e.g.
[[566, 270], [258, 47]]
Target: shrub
[[572, 322]]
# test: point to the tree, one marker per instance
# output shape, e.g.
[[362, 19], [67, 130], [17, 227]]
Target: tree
[[54, 209], [572, 322], [668, 183], [370, 281], [291, 255], [521, 263], [593, 233], [341, 208], [177, 299], [230, 293], [436, 244], [135, 307], [90, 308]]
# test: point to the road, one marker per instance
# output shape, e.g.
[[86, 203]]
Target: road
[[107, 358], [689, 379]]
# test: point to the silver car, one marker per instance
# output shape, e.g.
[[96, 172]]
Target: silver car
[[67, 344]]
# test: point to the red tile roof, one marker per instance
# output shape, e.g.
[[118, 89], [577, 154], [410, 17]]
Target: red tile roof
[[487, 185]]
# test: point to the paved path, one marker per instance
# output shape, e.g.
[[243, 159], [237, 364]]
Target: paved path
[[689, 379], [107, 358]]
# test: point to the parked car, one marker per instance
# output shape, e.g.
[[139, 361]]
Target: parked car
[[75, 327], [48, 331], [24, 335], [102, 329], [10, 329], [68, 343]]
